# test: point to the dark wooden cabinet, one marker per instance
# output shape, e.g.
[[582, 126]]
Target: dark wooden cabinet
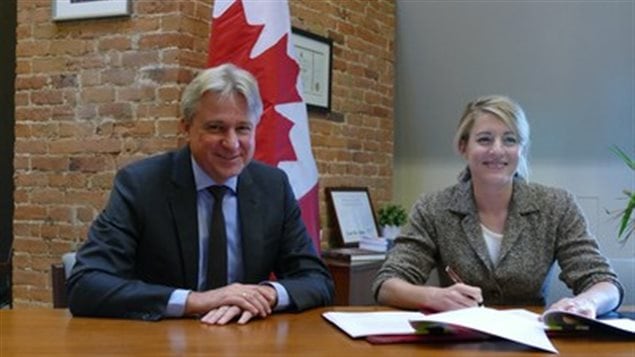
[[353, 281]]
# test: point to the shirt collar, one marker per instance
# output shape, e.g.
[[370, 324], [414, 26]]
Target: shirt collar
[[203, 181]]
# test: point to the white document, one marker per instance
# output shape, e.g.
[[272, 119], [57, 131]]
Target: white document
[[627, 325], [510, 325], [563, 320], [362, 324]]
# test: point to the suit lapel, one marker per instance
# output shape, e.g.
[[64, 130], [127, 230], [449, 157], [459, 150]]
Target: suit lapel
[[519, 208], [251, 227], [182, 200], [474, 234], [463, 203]]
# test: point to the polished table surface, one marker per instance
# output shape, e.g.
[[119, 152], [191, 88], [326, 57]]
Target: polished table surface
[[54, 332]]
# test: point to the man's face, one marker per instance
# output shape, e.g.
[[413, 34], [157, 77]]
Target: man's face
[[221, 136]]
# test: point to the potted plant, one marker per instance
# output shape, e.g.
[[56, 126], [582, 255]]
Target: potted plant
[[391, 218], [627, 220]]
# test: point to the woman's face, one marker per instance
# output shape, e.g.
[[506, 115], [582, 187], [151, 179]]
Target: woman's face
[[491, 151]]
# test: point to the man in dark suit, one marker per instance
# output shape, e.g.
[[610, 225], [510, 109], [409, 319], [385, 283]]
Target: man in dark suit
[[151, 253]]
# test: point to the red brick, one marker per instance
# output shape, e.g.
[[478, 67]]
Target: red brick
[[118, 76], [21, 99], [153, 7], [136, 94], [28, 277], [30, 146], [75, 129], [48, 65], [145, 24], [68, 180], [45, 31], [90, 77], [30, 245], [31, 48], [88, 164], [167, 127], [46, 196], [139, 58], [119, 111], [102, 181], [141, 129], [73, 47], [87, 111], [93, 198], [171, 23], [60, 213], [169, 94], [48, 163], [98, 94], [30, 82], [46, 96], [86, 214], [119, 43], [32, 113]]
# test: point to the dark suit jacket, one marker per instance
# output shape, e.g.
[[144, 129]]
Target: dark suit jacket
[[145, 242]]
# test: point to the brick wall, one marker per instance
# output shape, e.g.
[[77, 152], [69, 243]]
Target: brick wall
[[93, 95]]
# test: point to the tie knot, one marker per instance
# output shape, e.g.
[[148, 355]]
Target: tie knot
[[218, 191]]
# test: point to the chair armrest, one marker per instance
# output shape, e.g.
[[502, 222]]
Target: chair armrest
[[58, 286]]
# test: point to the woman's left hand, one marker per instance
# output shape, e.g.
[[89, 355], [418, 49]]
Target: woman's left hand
[[576, 305]]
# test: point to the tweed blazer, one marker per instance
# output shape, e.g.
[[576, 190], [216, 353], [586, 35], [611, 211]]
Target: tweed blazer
[[544, 225], [144, 244]]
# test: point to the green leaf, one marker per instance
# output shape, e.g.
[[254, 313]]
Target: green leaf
[[392, 215], [626, 225], [622, 155], [627, 221]]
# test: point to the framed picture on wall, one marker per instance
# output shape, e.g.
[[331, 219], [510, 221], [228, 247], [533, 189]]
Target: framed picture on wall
[[64, 10], [353, 212], [314, 53]]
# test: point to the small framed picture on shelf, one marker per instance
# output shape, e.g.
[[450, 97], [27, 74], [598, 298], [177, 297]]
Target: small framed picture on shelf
[[314, 54], [354, 215], [64, 10]]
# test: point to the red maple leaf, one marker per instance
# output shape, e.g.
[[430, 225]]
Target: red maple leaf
[[232, 41]]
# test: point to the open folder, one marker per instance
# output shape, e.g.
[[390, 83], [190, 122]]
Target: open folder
[[564, 323], [469, 324]]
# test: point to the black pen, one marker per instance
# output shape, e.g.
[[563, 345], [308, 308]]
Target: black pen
[[457, 279]]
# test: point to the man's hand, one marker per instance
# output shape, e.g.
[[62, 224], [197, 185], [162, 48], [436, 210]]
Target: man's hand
[[222, 305]]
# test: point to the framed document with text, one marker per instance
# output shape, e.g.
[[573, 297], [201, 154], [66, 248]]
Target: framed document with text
[[314, 54], [354, 215], [64, 10]]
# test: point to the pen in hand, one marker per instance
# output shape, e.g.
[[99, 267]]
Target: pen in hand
[[457, 279]]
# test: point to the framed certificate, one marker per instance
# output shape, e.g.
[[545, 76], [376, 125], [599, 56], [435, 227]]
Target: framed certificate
[[83, 9], [354, 215], [314, 54]]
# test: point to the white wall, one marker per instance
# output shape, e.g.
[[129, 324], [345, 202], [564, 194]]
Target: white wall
[[570, 64]]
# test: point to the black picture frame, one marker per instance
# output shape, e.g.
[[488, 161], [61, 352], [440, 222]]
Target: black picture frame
[[65, 10], [352, 210], [315, 57]]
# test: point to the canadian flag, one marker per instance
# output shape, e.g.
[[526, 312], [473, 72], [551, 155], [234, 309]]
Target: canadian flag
[[256, 36]]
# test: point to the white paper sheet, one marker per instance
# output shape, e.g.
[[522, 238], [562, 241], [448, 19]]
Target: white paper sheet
[[510, 325], [361, 324], [555, 319]]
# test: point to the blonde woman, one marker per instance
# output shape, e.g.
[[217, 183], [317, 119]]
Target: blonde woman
[[493, 236]]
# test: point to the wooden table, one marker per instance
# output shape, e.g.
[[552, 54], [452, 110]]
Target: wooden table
[[53, 332]]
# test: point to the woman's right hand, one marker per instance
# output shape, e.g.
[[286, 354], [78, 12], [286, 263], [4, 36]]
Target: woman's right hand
[[457, 296], [399, 293]]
